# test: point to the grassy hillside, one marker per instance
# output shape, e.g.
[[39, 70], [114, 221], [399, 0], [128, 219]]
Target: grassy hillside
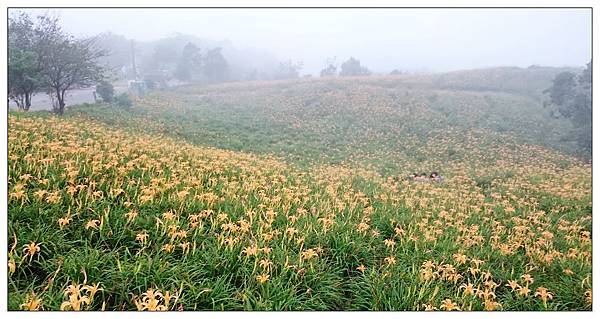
[[531, 81], [179, 202], [355, 122]]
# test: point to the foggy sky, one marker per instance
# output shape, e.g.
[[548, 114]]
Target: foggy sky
[[382, 39]]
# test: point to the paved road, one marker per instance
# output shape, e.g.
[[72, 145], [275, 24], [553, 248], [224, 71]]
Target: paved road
[[41, 101]]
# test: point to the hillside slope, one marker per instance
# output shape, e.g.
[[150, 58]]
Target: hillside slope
[[387, 124], [530, 82], [129, 211]]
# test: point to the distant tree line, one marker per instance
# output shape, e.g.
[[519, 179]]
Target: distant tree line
[[190, 59], [571, 97], [288, 70], [44, 58], [351, 67], [193, 66], [194, 60]]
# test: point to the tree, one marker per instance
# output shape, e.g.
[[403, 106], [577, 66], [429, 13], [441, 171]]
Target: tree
[[164, 53], [189, 63], [563, 88], [23, 65], [572, 95], [20, 31], [586, 76], [352, 67], [119, 53], [330, 68], [123, 100], [65, 62], [215, 66], [23, 77], [288, 70]]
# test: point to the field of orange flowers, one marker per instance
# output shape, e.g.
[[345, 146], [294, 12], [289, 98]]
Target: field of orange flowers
[[189, 202]]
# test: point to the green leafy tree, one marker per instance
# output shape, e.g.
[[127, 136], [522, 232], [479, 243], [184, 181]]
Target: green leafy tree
[[563, 89], [162, 59], [65, 62], [572, 95], [24, 78], [189, 64], [43, 56], [352, 67], [215, 66]]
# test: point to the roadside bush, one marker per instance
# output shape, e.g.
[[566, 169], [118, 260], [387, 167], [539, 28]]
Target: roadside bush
[[106, 91], [123, 100]]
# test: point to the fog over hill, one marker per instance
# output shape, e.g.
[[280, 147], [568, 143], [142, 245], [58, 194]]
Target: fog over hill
[[164, 53]]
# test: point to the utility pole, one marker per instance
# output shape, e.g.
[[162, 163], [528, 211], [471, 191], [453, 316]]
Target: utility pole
[[136, 86], [133, 60]]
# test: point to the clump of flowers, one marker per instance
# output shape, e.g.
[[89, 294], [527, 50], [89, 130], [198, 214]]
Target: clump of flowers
[[154, 300], [32, 303], [79, 296]]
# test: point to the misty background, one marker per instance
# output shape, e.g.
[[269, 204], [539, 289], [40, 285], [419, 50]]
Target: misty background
[[409, 40]]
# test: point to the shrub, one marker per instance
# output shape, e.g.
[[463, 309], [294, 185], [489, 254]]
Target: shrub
[[352, 67], [106, 91], [123, 100]]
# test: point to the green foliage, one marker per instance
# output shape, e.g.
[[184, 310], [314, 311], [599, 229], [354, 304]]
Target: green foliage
[[215, 67], [563, 88], [189, 64], [45, 56], [123, 100], [23, 77], [106, 91], [572, 95], [352, 67]]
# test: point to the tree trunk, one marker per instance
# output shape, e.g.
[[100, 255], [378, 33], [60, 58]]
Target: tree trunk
[[27, 101], [58, 109], [18, 102], [21, 102], [61, 106], [61, 103]]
